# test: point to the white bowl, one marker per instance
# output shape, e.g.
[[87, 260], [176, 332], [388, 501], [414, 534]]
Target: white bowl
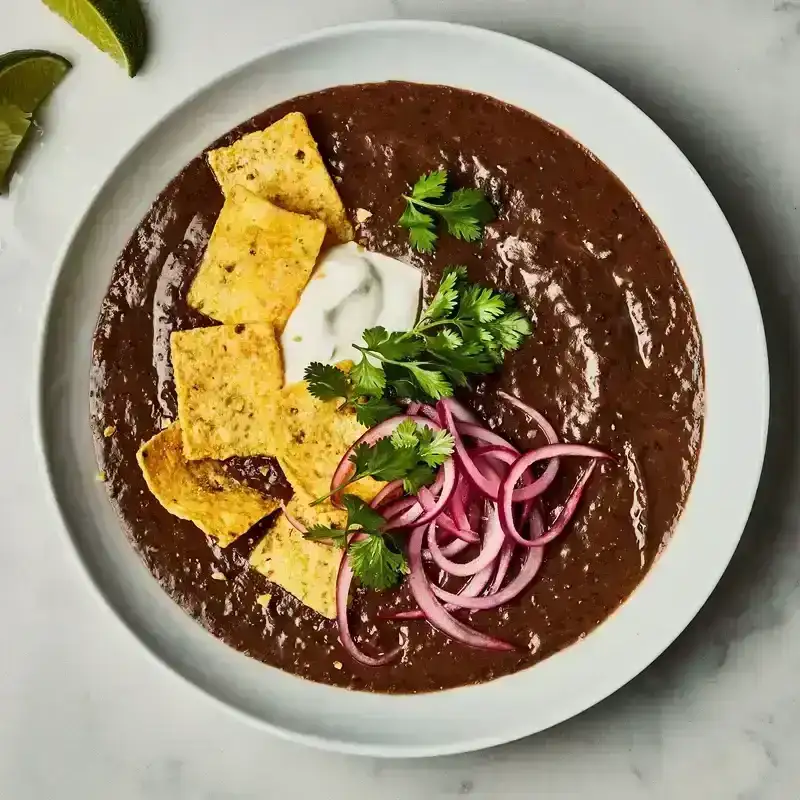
[[736, 373]]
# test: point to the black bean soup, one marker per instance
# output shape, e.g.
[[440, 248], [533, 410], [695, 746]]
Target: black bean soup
[[615, 360]]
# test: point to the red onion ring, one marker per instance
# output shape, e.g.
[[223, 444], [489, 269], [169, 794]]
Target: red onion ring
[[568, 512], [343, 580], [507, 495], [433, 509], [389, 492], [298, 526], [484, 435], [492, 544], [459, 411], [503, 564], [433, 610], [528, 571]]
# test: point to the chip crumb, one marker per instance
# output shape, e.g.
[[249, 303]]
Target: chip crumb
[[337, 178], [337, 664], [109, 430], [101, 476], [219, 576], [264, 471], [362, 215], [263, 599]]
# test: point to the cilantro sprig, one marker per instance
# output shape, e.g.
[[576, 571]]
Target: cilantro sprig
[[411, 453], [464, 211], [466, 330], [376, 560]]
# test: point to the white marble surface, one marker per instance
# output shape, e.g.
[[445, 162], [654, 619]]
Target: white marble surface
[[84, 713]]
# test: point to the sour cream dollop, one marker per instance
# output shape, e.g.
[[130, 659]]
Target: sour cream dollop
[[351, 289]]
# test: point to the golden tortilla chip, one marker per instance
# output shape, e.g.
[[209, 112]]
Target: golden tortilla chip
[[304, 568], [200, 491], [227, 379], [309, 437], [257, 263], [283, 164]]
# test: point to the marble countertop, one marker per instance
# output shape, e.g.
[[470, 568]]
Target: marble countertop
[[84, 713]]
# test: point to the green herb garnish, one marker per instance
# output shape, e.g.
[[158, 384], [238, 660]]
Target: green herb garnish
[[376, 561], [411, 453], [466, 330], [464, 211]]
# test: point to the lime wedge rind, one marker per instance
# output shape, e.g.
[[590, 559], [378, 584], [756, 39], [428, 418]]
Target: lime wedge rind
[[27, 77], [117, 27], [14, 126]]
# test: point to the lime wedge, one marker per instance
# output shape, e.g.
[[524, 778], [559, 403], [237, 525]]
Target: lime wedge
[[14, 124], [116, 27], [28, 76]]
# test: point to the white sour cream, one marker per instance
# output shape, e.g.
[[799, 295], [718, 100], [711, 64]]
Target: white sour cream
[[351, 289]]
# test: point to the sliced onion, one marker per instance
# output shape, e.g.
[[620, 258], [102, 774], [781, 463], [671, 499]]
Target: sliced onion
[[445, 522], [389, 492], [296, 524], [547, 429], [460, 412], [549, 475], [568, 512], [453, 549], [477, 478], [492, 544], [343, 580], [413, 408], [433, 610], [484, 435], [429, 412], [433, 509], [523, 579], [459, 502], [507, 495], [503, 564]]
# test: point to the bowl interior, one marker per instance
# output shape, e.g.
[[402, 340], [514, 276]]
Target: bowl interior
[[716, 275]]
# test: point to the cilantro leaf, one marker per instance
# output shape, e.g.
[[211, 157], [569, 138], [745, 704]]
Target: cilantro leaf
[[368, 379], [465, 212], [405, 434], [375, 564], [421, 475], [402, 384], [430, 186], [360, 514], [435, 447], [421, 228], [337, 536], [382, 461], [423, 239], [481, 303], [327, 382], [444, 301], [432, 382], [375, 410], [509, 330], [393, 346]]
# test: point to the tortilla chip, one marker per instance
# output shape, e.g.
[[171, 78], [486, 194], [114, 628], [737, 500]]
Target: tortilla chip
[[282, 163], [309, 437], [257, 263], [304, 568], [200, 491], [227, 379]]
